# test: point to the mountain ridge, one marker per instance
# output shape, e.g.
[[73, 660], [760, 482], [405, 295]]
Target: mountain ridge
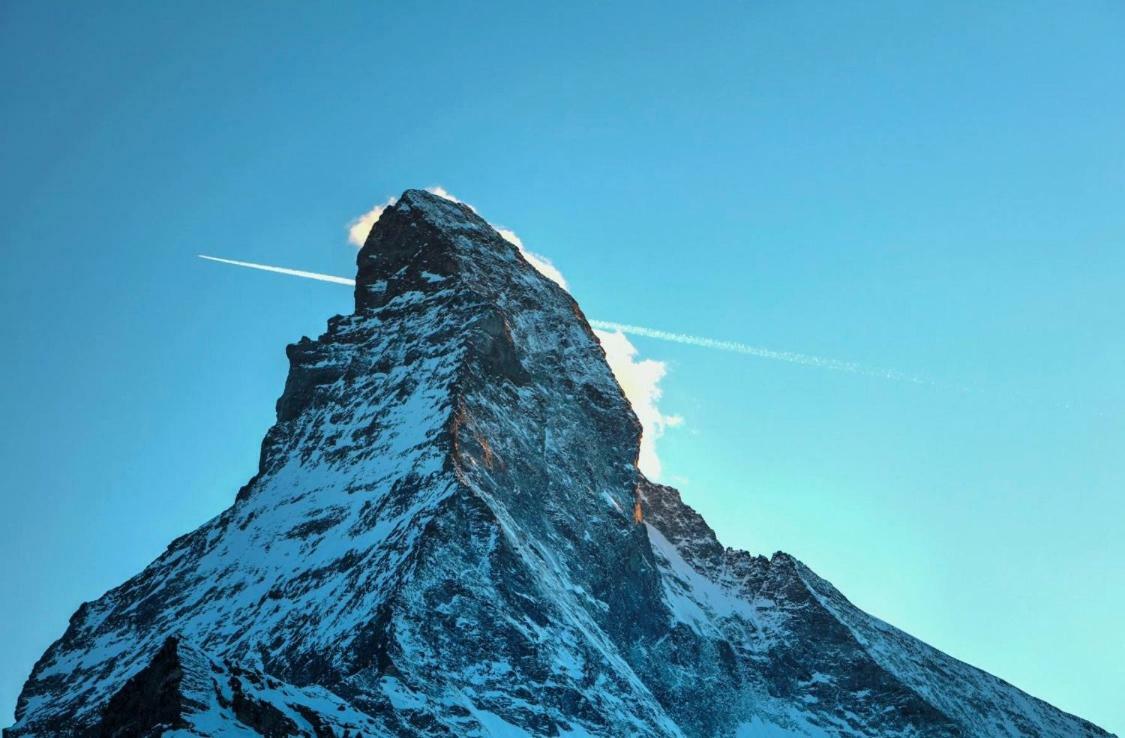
[[441, 540]]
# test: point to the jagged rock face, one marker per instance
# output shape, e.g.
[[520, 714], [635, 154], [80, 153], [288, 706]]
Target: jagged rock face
[[440, 541]]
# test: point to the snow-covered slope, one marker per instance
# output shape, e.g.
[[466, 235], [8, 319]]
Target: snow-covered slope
[[440, 541]]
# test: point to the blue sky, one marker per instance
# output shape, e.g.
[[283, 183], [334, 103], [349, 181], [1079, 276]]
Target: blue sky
[[930, 189]]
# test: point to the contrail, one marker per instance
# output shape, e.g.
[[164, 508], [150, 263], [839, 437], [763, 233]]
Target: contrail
[[790, 357], [283, 270]]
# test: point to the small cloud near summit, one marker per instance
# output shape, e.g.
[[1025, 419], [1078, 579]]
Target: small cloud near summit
[[639, 379], [444, 193], [541, 263], [361, 226]]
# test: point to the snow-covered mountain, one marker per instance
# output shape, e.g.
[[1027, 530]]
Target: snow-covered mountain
[[448, 536]]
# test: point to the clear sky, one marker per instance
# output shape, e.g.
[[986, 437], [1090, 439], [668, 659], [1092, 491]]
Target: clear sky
[[931, 188]]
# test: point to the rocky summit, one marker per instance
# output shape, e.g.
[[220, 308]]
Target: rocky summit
[[448, 535]]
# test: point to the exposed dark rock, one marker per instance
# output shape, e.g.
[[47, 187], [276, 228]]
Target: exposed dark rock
[[151, 701]]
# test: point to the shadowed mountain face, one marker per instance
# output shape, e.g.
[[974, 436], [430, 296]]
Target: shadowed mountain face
[[441, 541]]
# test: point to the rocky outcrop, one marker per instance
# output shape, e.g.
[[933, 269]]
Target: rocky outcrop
[[151, 701], [442, 540]]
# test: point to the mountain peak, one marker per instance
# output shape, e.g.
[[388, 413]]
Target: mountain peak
[[421, 241], [441, 541], [415, 196], [442, 211]]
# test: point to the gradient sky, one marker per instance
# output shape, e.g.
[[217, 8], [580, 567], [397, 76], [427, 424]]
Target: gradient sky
[[935, 189]]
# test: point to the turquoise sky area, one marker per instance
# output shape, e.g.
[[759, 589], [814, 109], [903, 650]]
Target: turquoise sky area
[[930, 188]]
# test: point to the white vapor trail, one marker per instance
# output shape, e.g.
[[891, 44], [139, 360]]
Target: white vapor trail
[[791, 357], [283, 270]]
